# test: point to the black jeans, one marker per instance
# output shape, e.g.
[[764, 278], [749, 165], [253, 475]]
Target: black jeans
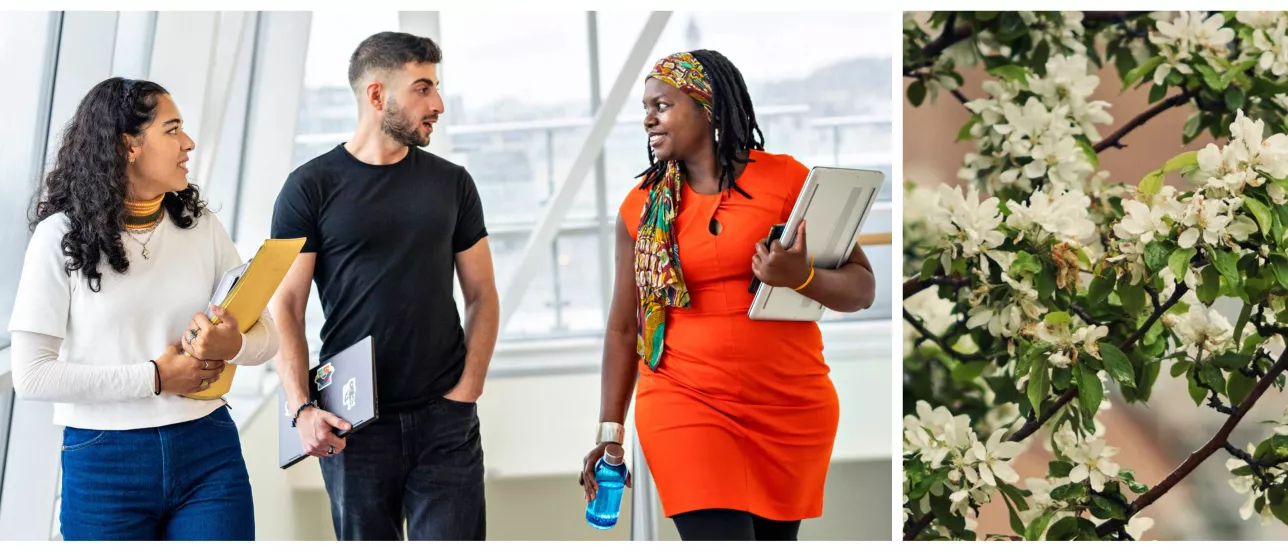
[[424, 466], [732, 525]]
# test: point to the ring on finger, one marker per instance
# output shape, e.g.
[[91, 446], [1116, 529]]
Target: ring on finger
[[205, 365], [192, 334], [330, 450]]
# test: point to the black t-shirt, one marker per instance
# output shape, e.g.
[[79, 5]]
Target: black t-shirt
[[386, 238]]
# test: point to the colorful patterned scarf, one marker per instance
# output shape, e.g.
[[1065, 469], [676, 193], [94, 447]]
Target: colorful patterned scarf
[[658, 278]]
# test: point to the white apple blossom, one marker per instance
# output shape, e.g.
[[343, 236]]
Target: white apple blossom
[[1091, 460], [1201, 328], [1270, 47], [1141, 223], [1244, 160], [1067, 34], [1259, 19], [1064, 215], [1188, 37], [965, 223]]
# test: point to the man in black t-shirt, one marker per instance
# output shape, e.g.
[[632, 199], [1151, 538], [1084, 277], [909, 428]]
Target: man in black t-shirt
[[387, 225]]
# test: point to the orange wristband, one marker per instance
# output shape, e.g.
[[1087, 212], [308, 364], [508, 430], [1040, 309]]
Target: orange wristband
[[811, 275]]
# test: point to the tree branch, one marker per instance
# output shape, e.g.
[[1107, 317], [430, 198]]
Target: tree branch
[[1031, 426], [1115, 140], [915, 284], [961, 357], [1217, 442]]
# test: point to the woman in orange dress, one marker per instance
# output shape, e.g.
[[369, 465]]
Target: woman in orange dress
[[736, 417]]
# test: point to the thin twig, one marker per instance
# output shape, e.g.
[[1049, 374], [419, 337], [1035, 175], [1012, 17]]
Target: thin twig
[[1115, 140], [1084, 316], [960, 356], [1198, 457], [1181, 288]]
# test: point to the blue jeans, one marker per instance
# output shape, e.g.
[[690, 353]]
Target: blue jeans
[[422, 466], [184, 481]]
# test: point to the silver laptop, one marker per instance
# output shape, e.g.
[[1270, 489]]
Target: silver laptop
[[835, 201]]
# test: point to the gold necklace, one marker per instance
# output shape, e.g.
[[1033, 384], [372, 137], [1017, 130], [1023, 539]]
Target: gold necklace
[[150, 231]]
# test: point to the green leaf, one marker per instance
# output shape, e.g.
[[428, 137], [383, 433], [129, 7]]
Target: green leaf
[[1181, 161], [1148, 375], [1182, 367], [1143, 69], [1016, 524], [1197, 393], [1156, 256], [1039, 383], [1213, 376], [1157, 93], [1105, 508], [1179, 262], [1280, 511], [1058, 468], [1234, 98], [1239, 387], [1090, 391], [1151, 184], [1259, 211], [1210, 78], [1015, 494], [1133, 297], [917, 93], [1036, 527], [1129, 477], [1280, 265], [930, 267], [1090, 152], [1056, 318], [1231, 360], [965, 372], [1040, 56], [1227, 263], [1117, 364], [964, 133], [1210, 287], [1013, 73], [1193, 126], [959, 266], [1065, 529], [1102, 285]]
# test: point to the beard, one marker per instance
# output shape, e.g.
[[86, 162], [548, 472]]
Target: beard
[[401, 128]]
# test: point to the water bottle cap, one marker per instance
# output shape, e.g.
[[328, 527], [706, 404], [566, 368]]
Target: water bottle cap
[[613, 454]]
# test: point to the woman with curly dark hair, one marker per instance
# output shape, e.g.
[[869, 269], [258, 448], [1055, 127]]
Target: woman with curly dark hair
[[123, 252]]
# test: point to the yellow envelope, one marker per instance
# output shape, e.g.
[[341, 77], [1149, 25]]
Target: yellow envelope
[[248, 298]]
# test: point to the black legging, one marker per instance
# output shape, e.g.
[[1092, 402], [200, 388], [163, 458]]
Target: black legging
[[732, 525]]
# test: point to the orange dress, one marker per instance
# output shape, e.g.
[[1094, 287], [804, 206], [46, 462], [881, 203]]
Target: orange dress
[[741, 413]]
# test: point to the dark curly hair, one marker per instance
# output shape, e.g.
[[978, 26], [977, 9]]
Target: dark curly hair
[[88, 182]]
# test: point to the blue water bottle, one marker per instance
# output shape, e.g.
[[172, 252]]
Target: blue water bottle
[[610, 474]]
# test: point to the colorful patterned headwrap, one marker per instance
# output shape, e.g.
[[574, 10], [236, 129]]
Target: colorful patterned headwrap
[[658, 278]]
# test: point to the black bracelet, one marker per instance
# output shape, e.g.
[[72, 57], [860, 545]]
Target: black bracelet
[[156, 369], [299, 410]]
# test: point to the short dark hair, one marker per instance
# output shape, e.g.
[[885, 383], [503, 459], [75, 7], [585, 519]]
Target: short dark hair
[[391, 51]]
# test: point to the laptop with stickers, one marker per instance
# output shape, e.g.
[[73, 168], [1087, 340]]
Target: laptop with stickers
[[344, 385]]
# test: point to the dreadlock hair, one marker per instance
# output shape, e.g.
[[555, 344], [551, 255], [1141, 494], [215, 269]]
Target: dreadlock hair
[[734, 131]]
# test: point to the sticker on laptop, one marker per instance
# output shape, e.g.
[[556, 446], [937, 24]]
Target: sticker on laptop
[[351, 394], [323, 379]]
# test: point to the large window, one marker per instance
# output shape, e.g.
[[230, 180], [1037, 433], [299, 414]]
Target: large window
[[517, 90]]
